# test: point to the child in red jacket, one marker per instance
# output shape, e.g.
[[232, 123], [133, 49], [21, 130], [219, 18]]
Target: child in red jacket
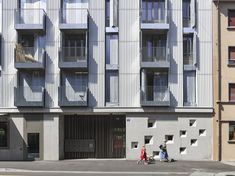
[[143, 156]]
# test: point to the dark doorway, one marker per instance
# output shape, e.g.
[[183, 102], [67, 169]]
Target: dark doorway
[[33, 145], [95, 137]]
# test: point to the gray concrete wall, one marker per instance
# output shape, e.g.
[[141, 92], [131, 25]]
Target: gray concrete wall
[[137, 129]]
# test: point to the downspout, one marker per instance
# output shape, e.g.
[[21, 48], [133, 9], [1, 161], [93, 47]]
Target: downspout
[[219, 82]]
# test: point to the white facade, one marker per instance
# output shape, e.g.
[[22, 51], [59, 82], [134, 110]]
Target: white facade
[[170, 120]]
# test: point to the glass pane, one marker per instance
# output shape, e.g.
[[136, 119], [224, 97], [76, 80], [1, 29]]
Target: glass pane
[[3, 134]]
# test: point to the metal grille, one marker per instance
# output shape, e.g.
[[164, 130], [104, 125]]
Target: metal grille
[[95, 137]]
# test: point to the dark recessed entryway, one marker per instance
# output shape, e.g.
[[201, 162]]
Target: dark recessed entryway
[[94, 137]]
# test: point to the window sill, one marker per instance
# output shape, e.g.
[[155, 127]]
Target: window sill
[[231, 141], [231, 27], [4, 148], [231, 64]]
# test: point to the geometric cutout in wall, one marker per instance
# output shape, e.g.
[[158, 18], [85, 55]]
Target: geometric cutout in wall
[[169, 139], [156, 154], [151, 123], [192, 123], [202, 132], [183, 133], [148, 139], [194, 142], [134, 145], [183, 151]]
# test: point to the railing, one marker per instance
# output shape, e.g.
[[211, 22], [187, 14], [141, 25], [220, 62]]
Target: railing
[[29, 54], [154, 54], [155, 94], [154, 15], [186, 22], [73, 54], [29, 16], [29, 95], [73, 95], [73, 16], [188, 59]]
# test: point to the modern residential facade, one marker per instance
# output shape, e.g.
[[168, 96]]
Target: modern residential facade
[[224, 79], [99, 79]]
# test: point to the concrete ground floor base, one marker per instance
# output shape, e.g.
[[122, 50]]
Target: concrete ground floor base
[[49, 136]]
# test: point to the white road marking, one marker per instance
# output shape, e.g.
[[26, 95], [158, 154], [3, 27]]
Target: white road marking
[[10, 170]]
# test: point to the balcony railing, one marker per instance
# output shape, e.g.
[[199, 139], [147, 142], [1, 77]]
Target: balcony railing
[[73, 57], [29, 19], [29, 96], [29, 57], [155, 57], [73, 95], [188, 59], [73, 18], [154, 15], [155, 96]]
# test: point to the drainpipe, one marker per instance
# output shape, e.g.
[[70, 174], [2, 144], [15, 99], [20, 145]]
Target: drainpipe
[[219, 81]]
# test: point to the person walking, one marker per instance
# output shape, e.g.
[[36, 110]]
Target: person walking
[[143, 156]]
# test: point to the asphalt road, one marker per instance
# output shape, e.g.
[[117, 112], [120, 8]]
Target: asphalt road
[[115, 168]]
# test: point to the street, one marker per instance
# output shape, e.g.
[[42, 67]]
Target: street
[[115, 167]]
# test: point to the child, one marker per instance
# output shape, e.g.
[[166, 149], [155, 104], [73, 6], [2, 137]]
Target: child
[[143, 156]]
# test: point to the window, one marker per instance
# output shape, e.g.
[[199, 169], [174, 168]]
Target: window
[[111, 13], [186, 13], [153, 11], [231, 55], [231, 92], [188, 49], [74, 48], [231, 18], [112, 49], [189, 88], [232, 131], [3, 134], [111, 89]]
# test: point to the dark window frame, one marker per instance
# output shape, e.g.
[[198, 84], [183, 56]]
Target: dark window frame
[[231, 61], [229, 135], [229, 15], [229, 91], [7, 135]]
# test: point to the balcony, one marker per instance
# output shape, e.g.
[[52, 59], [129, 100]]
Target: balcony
[[155, 96], [29, 96], [30, 19], [71, 19], [29, 57], [73, 96], [73, 57], [155, 57], [152, 19], [189, 63]]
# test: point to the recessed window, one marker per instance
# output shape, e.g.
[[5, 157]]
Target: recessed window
[[192, 123], [183, 133], [134, 145], [231, 18], [231, 59], [169, 139], [232, 131], [202, 132], [183, 150], [156, 154], [151, 123], [231, 92], [148, 140], [194, 142], [3, 134]]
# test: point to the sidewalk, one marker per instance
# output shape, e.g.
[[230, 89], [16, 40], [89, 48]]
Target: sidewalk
[[114, 167]]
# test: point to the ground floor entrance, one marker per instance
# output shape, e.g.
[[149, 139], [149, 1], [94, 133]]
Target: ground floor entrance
[[94, 137]]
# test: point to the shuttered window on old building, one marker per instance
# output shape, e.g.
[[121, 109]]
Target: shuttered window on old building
[[231, 92], [231, 17]]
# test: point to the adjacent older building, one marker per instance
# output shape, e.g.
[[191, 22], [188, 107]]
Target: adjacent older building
[[224, 79], [101, 78]]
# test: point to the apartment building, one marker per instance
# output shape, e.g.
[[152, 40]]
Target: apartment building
[[101, 78], [224, 79]]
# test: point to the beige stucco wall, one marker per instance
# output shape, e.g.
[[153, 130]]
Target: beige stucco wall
[[228, 76]]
